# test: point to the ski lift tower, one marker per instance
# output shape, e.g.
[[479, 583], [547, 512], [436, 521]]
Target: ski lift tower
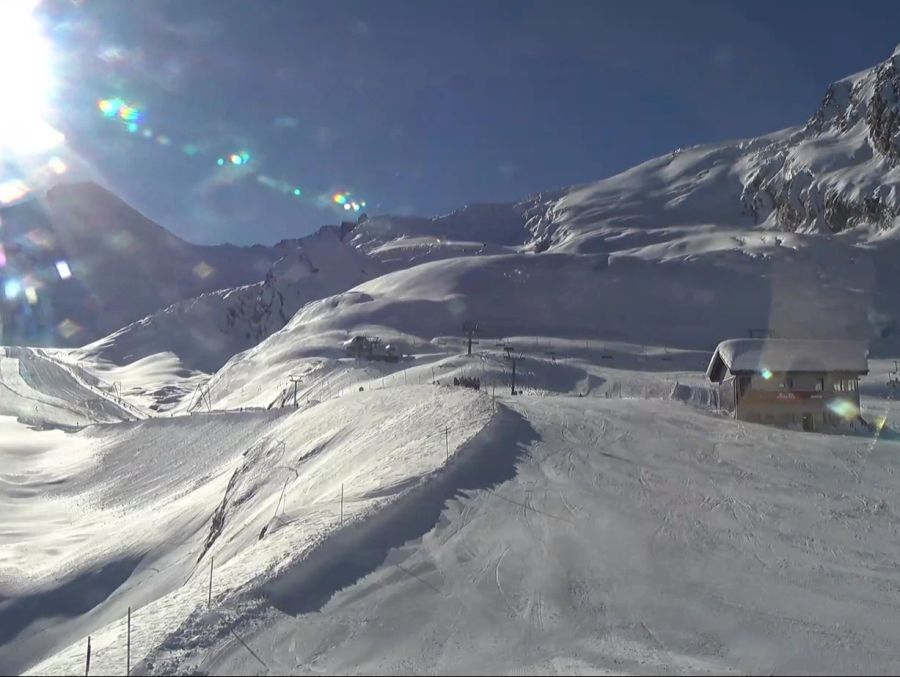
[[471, 329], [514, 359], [295, 379]]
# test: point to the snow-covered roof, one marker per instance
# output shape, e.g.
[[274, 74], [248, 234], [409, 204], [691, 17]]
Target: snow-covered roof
[[756, 355]]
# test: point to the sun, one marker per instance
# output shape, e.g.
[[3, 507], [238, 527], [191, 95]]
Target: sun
[[26, 81]]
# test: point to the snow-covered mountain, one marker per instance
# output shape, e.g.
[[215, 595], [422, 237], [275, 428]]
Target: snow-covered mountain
[[836, 173], [116, 266], [205, 331], [777, 233], [718, 231]]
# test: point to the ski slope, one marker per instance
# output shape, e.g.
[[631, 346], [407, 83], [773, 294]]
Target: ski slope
[[104, 518], [41, 391], [137, 509], [604, 520], [604, 536], [635, 537]]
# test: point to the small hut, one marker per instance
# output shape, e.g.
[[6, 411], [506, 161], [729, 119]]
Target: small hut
[[810, 383]]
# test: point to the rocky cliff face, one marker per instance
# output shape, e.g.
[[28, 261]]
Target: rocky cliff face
[[317, 266], [839, 171]]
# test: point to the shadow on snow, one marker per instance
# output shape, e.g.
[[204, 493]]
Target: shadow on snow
[[487, 460]]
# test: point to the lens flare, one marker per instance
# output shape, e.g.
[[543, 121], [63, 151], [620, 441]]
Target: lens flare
[[41, 238], [342, 199], [203, 270], [12, 288], [57, 166], [31, 295], [766, 374], [12, 190], [110, 107], [68, 328], [63, 269], [131, 117], [844, 409], [129, 114]]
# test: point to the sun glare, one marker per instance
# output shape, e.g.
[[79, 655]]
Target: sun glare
[[26, 81]]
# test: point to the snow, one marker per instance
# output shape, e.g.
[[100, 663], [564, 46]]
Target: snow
[[562, 533], [754, 355], [71, 501], [164, 356], [695, 544]]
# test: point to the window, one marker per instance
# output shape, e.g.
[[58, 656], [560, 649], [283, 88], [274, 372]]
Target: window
[[846, 385], [820, 384]]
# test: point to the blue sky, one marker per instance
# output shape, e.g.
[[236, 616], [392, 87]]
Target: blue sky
[[422, 107]]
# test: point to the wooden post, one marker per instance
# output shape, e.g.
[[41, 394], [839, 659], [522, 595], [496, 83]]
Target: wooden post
[[87, 665], [447, 441], [342, 504], [209, 600], [128, 646], [493, 403]]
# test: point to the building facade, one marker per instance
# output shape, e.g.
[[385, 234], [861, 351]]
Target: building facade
[[363, 347], [807, 383]]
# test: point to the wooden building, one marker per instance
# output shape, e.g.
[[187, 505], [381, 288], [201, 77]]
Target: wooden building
[[801, 382]]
